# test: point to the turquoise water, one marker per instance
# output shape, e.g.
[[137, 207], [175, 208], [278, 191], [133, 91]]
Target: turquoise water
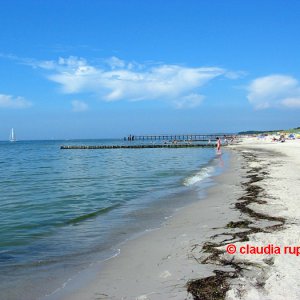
[[63, 209]]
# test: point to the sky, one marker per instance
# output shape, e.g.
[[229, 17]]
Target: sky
[[109, 68]]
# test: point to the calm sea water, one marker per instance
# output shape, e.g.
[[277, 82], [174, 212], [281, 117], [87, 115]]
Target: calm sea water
[[61, 210]]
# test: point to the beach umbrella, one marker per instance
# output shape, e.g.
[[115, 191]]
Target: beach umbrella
[[291, 136]]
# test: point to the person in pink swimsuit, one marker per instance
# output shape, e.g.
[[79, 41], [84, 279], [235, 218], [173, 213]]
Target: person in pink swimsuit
[[218, 145]]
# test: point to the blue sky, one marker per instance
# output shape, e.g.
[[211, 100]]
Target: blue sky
[[109, 68]]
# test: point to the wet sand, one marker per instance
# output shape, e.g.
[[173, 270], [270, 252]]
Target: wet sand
[[256, 202], [158, 264]]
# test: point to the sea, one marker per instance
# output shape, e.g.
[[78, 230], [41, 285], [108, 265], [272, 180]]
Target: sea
[[62, 211]]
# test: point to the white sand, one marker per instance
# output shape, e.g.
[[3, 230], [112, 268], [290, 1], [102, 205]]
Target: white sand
[[282, 184]]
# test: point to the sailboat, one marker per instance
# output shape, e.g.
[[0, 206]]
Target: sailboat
[[12, 136]]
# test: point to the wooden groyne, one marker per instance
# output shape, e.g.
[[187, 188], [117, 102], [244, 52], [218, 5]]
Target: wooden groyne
[[208, 145]]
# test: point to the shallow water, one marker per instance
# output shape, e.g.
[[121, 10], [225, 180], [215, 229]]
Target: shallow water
[[63, 209]]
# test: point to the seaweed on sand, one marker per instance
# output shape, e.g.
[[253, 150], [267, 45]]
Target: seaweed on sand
[[216, 286], [209, 288]]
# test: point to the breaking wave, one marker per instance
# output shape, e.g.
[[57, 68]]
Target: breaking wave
[[204, 173]]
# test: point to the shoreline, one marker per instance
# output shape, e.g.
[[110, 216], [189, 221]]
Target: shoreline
[[158, 264], [221, 249], [269, 206], [253, 202], [151, 185]]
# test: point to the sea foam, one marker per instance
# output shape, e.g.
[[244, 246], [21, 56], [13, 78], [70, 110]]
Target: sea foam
[[204, 173]]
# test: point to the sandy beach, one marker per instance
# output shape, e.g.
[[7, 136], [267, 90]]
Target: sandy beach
[[271, 276], [254, 203], [149, 150]]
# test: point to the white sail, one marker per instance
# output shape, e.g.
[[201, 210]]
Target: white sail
[[12, 136]]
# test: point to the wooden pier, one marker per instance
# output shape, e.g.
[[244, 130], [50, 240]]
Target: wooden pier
[[207, 145], [177, 137]]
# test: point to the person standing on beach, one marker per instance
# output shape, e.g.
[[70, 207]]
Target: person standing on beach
[[218, 145]]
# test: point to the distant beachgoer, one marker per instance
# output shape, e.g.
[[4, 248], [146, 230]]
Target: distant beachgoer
[[225, 140], [282, 138], [218, 145]]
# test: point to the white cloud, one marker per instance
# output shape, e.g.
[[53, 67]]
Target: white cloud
[[132, 81], [47, 64], [235, 74], [8, 101], [79, 106], [274, 91], [292, 102], [190, 101], [115, 62]]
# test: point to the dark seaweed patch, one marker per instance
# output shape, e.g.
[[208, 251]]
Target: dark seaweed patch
[[215, 287]]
